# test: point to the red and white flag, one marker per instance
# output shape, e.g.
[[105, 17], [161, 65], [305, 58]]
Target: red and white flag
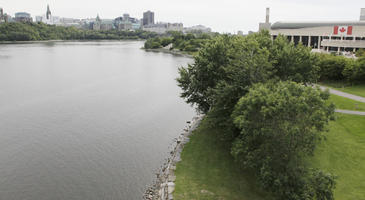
[[342, 30]]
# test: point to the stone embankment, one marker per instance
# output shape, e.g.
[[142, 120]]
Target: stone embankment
[[165, 183]]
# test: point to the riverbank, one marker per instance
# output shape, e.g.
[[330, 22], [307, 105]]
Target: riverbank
[[86, 40], [174, 52], [164, 186], [208, 171]]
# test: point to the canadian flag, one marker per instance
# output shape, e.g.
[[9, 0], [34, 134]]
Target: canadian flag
[[342, 30]]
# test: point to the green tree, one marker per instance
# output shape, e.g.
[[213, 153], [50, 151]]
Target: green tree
[[294, 63], [280, 124], [198, 79]]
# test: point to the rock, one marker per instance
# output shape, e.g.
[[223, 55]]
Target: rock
[[172, 178], [171, 187], [206, 192]]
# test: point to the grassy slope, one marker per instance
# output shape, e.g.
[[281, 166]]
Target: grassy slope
[[358, 90], [347, 104], [207, 170], [343, 154]]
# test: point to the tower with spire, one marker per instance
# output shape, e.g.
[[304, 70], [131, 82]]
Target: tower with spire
[[48, 14]]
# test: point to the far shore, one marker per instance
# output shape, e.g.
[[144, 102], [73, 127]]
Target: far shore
[[45, 41], [174, 52]]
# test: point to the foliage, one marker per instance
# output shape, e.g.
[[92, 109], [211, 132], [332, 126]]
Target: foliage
[[355, 70], [360, 53], [41, 31], [294, 63], [228, 65], [339, 68], [280, 125], [332, 66], [322, 185], [179, 41]]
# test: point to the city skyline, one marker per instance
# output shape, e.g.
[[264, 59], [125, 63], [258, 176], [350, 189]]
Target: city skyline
[[230, 17]]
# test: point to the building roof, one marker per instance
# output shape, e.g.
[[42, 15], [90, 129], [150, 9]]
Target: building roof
[[297, 25]]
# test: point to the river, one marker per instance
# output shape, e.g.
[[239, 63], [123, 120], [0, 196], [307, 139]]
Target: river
[[86, 120]]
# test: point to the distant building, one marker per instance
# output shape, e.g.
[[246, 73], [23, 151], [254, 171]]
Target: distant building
[[48, 18], [335, 36], [267, 24], [96, 25], [362, 14], [106, 24], [73, 22], [48, 14], [197, 29], [2, 17], [148, 18], [127, 23], [240, 33], [164, 27], [23, 17]]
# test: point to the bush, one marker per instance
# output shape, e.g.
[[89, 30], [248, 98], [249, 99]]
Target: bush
[[355, 70], [332, 66], [280, 125]]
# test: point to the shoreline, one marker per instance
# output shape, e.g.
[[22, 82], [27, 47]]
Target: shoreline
[[174, 52], [164, 185], [45, 41]]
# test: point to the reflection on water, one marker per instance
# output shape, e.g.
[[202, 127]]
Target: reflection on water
[[85, 120]]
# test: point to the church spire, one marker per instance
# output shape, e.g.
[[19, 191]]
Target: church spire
[[98, 18], [48, 14]]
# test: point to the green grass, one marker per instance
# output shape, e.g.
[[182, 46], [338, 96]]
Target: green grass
[[343, 154], [346, 104], [358, 90], [207, 170]]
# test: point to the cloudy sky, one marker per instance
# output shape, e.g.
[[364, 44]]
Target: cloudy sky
[[222, 15]]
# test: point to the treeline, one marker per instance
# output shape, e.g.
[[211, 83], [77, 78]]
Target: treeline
[[339, 68], [190, 42], [260, 91], [41, 31]]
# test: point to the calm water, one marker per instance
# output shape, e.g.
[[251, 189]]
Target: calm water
[[85, 120]]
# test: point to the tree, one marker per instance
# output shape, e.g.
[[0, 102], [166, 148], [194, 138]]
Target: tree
[[198, 79], [332, 66], [227, 66], [280, 124], [294, 63]]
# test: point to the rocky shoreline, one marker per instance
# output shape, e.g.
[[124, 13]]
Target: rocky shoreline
[[164, 186]]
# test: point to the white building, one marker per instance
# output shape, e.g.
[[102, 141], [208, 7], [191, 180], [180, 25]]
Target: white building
[[336, 36], [162, 28]]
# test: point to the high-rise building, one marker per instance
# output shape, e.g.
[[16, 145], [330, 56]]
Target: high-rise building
[[362, 14], [148, 18], [2, 18]]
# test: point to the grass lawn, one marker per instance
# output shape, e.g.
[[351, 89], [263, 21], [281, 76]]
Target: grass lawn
[[358, 90], [346, 104], [343, 154], [207, 170]]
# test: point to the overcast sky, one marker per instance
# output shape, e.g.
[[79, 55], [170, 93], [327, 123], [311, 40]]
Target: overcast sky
[[222, 16]]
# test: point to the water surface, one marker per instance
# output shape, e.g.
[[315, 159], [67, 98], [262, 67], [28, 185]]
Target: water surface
[[85, 120]]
